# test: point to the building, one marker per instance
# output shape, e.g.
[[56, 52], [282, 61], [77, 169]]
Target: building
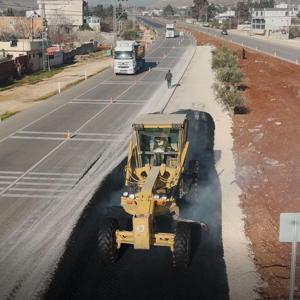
[[271, 22], [294, 9], [62, 12], [227, 15], [93, 22], [32, 48], [21, 27], [55, 55]]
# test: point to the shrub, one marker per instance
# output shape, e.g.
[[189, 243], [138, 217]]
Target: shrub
[[229, 98], [223, 57], [229, 77]]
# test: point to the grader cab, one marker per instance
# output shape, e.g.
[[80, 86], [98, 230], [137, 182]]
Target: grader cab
[[156, 157]]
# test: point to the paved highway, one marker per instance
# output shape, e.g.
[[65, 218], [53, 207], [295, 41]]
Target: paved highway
[[287, 52], [40, 167]]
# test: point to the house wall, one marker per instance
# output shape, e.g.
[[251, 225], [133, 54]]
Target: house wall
[[22, 27], [32, 48], [63, 12]]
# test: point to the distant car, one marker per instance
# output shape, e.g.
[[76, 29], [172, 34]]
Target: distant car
[[206, 24], [181, 33], [224, 32]]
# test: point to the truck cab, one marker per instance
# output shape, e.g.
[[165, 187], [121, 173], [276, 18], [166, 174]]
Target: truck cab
[[128, 57], [170, 30]]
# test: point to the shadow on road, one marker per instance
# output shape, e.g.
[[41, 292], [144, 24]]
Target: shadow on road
[[149, 274]]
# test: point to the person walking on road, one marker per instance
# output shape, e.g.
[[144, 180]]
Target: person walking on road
[[169, 79]]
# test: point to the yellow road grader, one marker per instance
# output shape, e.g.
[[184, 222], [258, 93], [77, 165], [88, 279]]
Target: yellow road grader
[[153, 180]]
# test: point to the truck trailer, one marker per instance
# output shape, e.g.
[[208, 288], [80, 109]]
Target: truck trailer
[[128, 57]]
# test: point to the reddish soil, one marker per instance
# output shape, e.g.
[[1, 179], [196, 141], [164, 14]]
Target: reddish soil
[[267, 153]]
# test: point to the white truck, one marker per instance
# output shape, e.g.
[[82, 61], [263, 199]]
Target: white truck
[[128, 57], [170, 30]]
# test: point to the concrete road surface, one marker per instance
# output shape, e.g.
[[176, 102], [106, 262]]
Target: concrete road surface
[[45, 153]]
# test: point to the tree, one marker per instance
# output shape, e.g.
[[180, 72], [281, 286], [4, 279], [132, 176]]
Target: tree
[[99, 11], [211, 11], [10, 12], [168, 11], [243, 10], [86, 11], [197, 9]]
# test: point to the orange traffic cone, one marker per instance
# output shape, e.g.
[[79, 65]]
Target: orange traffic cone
[[68, 135]]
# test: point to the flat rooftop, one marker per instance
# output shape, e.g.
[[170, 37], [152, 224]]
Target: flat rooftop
[[160, 119]]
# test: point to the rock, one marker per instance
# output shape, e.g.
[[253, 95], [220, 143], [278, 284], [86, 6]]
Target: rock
[[270, 119], [266, 180], [258, 137], [254, 130], [278, 123], [248, 173], [272, 162]]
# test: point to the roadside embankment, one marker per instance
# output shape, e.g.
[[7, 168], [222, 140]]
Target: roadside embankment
[[195, 92], [266, 151]]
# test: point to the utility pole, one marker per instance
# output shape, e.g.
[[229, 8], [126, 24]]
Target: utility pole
[[44, 38], [115, 21], [289, 17]]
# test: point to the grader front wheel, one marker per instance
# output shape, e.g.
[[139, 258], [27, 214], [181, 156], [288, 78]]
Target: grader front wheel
[[182, 246], [107, 244]]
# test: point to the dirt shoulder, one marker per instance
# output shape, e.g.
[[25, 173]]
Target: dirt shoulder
[[266, 147], [21, 97], [196, 93]]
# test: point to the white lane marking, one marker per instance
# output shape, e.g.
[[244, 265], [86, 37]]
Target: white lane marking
[[5, 182], [74, 139], [56, 174], [49, 178], [11, 195], [63, 133], [10, 172], [16, 137], [38, 190], [86, 102], [58, 184], [8, 177], [92, 88], [108, 101]]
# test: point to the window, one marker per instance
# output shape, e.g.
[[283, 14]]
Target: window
[[123, 55], [159, 145]]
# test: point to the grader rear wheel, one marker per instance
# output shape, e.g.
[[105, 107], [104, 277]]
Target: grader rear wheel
[[107, 244], [182, 246]]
